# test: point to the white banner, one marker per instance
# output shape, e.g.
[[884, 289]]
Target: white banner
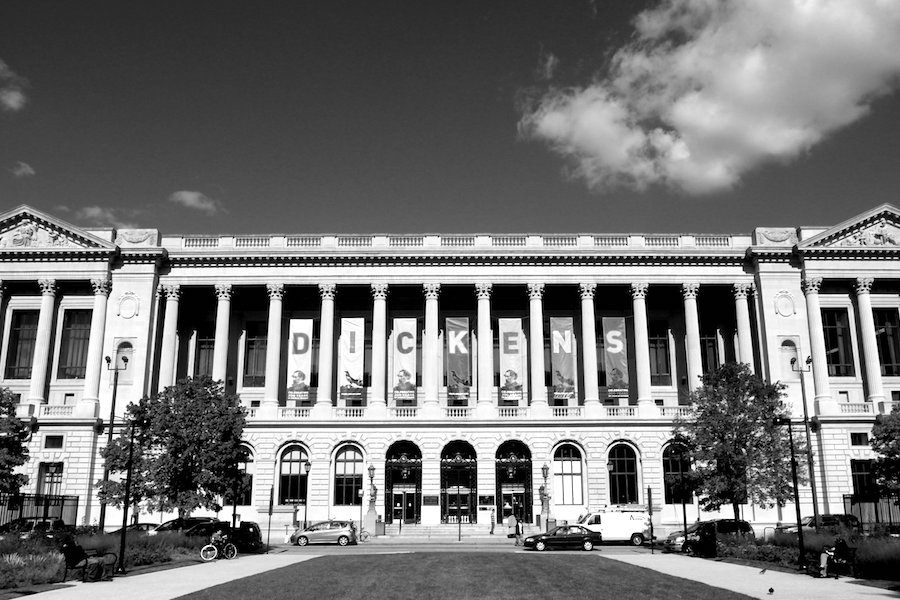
[[404, 376], [512, 362], [562, 361], [351, 355], [299, 361]]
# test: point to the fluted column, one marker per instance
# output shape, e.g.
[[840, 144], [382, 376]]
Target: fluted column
[[536, 343], [167, 353], [589, 349], [94, 359], [273, 345], [326, 347], [430, 347], [641, 343], [378, 402], [817, 344], [223, 323], [41, 357], [745, 335], [869, 341], [692, 334], [485, 349]]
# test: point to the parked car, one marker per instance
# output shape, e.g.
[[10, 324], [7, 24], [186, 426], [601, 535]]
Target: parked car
[[827, 523], [137, 528], [565, 537], [326, 532], [723, 528], [29, 527], [181, 524]]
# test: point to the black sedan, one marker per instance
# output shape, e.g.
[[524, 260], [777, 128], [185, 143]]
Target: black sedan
[[566, 537]]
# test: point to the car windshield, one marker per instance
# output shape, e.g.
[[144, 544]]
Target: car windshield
[[693, 527], [806, 521]]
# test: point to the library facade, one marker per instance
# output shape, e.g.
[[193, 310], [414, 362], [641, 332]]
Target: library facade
[[433, 379]]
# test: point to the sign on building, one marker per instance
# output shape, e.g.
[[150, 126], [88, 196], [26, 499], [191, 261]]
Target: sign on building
[[562, 361], [404, 376], [459, 372], [616, 357], [299, 361], [512, 362], [351, 357]]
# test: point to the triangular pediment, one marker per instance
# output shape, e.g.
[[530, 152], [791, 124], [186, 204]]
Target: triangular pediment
[[877, 228], [26, 228]]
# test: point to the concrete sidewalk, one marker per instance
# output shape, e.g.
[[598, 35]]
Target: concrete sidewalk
[[172, 583], [750, 581]]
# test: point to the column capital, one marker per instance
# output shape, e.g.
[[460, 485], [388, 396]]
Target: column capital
[[275, 291], [379, 291], [101, 286], [741, 290], [586, 290], [690, 290], [431, 290], [48, 287], [224, 291], [327, 291], [483, 290], [864, 285], [535, 291], [811, 285], [172, 291], [639, 289]]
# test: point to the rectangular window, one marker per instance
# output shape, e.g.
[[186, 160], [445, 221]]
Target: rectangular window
[[658, 339], [887, 335], [22, 336], [50, 478], [709, 352], [838, 349], [255, 354], [863, 478], [859, 439], [53, 442], [567, 482], [203, 361], [73, 347]]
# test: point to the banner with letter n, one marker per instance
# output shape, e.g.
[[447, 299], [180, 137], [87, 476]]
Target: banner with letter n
[[459, 373], [562, 361], [299, 361], [351, 356], [404, 376], [615, 357], [512, 362]]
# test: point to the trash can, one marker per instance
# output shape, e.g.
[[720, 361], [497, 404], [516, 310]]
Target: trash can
[[379, 526], [551, 523]]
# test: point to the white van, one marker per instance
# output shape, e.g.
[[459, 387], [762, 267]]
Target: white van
[[619, 524]]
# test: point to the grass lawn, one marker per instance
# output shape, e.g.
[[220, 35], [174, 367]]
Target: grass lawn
[[425, 576]]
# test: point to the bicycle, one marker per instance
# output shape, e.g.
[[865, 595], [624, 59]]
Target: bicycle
[[214, 550], [364, 536]]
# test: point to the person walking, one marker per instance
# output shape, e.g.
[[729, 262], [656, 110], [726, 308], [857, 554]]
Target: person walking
[[519, 528], [493, 520], [511, 526]]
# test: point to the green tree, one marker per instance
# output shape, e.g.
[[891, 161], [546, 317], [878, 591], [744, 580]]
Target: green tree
[[886, 444], [740, 455], [13, 452], [187, 446]]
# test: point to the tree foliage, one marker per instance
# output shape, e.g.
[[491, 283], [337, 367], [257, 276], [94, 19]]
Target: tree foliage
[[13, 452], [187, 446], [740, 454], [886, 444]]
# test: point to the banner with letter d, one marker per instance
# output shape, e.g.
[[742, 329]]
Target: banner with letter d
[[299, 361]]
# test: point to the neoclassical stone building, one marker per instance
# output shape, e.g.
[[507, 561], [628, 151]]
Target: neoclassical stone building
[[460, 372]]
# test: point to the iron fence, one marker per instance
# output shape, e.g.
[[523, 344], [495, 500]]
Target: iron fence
[[15, 506], [875, 513]]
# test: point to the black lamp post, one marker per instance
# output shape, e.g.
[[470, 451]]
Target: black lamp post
[[306, 468], [545, 499], [610, 466], [109, 434], [809, 458], [786, 421], [127, 500], [681, 456]]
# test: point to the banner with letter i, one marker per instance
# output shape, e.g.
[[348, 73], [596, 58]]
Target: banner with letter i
[[562, 361], [404, 375], [512, 362], [350, 361], [299, 361], [615, 357], [459, 375]]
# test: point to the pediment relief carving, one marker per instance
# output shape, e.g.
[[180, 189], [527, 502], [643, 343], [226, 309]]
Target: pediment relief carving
[[28, 233], [880, 233]]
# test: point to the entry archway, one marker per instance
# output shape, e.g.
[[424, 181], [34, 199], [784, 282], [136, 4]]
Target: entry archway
[[459, 483], [514, 480], [403, 483]]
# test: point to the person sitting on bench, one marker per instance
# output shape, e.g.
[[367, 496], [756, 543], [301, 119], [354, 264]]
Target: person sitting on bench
[[839, 552]]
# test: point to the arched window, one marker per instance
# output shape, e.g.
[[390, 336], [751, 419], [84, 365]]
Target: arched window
[[567, 482], [348, 476], [623, 480], [292, 479], [677, 465]]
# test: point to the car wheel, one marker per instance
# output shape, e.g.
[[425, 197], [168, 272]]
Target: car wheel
[[637, 539], [587, 545], [302, 540], [687, 549], [540, 546], [343, 540]]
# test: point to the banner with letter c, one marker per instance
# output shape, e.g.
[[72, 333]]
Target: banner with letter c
[[403, 379]]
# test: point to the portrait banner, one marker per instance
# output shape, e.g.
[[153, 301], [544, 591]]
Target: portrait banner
[[459, 374], [562, 360], [615, 356], [404, 381], [351, 355], [299, 361], [512, 361]]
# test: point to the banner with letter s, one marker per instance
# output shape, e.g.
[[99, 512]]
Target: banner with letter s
[[616, 357], [299, 361], [403, 379]]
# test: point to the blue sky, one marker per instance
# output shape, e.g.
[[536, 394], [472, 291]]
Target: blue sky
[[440, 116]]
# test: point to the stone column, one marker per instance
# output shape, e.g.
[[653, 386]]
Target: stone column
[[273, 350], [167, 353], [539, 406], [824, 399], [692, 334], [378, 404], [589, 350], [223, 323], [42, 342], [869, 341], [744, 332], [430, 348], [641, 348], [326, 351], [485, 351], [87, 407]]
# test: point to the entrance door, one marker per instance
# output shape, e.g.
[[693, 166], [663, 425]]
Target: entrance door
[[405, 506], [513, 501], [399, 510]]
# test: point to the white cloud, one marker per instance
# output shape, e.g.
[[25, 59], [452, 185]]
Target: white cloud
[[196, 201], [105, 216], [12, 90], [710, 89], [21, 170]]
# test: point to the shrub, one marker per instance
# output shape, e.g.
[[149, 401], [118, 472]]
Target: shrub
[[29, 568], [146, 549]]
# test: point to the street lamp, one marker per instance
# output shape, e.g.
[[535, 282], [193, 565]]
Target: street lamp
[[610, 466], [681, 485], [786, 421], [545, 499], [127, 500], [109, 434], [306, 468], [371, 487], [809, 458]]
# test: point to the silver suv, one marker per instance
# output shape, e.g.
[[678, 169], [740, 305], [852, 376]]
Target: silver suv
[[326, 532]]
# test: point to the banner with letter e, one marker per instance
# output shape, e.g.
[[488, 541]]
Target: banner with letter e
[[512, 362]]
